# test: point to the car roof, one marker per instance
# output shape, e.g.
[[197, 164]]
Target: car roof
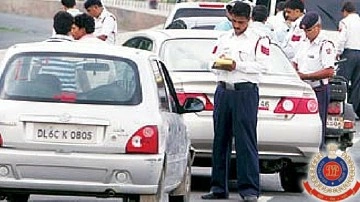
[[201, 4], [165, 34], [77, 47]]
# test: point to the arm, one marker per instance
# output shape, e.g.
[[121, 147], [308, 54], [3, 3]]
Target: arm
[[327, 58], [261, 58], [108, 28], [343, 32]]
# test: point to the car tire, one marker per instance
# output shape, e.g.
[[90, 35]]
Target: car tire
[[182, 192], [18, 197], [291, 180]]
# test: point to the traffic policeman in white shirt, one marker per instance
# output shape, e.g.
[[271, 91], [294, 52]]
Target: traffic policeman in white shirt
[[241, 56], [314, 62], [260, 25], [105, 22], [348, 47], [294, 12]]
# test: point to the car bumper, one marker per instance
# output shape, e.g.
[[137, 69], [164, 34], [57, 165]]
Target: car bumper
[[76, 172], [276, 139]]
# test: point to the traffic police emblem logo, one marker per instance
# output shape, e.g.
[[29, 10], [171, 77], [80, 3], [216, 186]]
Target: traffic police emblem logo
[[332, 177]]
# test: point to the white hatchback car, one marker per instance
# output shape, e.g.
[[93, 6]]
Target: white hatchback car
[[76, 121], [289, 126]]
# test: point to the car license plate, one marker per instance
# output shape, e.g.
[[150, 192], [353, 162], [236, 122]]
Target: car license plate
[[335, 122], [64, 133]]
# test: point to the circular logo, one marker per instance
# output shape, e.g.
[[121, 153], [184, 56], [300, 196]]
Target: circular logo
[[332, 172]]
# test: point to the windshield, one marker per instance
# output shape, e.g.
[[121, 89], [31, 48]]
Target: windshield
[[64, 77], [199, 12], [329, 10], [188, 54]]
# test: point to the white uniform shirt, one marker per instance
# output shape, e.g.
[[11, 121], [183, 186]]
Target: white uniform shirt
[[293, 38], [314, 56], [349, 31], [281, 28], [249, 51], [264, 29], [106, 24]]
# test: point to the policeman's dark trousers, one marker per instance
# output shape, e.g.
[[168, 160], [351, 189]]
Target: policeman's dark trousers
[[323, 97], [351, 71], [235, 115]]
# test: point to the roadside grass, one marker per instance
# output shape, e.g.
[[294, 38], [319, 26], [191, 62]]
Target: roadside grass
[[9, 29]]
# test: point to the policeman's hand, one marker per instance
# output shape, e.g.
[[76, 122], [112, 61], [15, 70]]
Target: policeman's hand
[[337, 57], [302, 76], [223, 63]]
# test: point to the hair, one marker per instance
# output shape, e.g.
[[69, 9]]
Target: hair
[[295, 4], [349, 7], [280, 5], [68, 3], [177, 24], [85, 21], [260, 13], [63, 22], [241, 9], [89, 3]]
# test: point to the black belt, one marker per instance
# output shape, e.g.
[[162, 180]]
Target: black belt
[[236, 86]]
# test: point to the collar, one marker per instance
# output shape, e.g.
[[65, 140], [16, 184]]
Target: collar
[[102, 14], [319, 39], [246, 34]]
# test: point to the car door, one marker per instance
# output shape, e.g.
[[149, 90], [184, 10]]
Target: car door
[[177, 141]]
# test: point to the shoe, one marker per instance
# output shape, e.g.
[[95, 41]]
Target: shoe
[[212, 196], [250, 198]]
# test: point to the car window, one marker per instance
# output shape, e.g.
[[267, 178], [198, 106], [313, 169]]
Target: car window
[[139, 43], [187, 54], [279, 64], [198, 12], [64, 77], [164, 104]]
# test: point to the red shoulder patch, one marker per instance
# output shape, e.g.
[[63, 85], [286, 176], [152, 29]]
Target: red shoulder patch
[[295, 38], [265, 50]]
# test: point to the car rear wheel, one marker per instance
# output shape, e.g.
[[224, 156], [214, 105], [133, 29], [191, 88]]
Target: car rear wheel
[[18, 197], [291, 179]]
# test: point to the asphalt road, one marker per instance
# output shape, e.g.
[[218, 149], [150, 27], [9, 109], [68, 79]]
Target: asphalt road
[[18, 29]]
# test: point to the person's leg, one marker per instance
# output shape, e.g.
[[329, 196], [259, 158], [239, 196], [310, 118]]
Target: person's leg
[[354, 95], [221, 143], [245, 108], [323, 97]]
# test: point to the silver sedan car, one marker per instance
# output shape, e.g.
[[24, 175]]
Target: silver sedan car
[[76, 121], [289, 125]]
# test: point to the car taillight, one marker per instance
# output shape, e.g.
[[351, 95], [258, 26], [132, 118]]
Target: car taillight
[[335, 108], [292, 105], [1, 141], [201, 96], [349, 124], [144, 141], [205, 5]]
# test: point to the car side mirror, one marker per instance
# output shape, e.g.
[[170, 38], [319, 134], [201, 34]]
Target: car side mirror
[[192, 105]]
